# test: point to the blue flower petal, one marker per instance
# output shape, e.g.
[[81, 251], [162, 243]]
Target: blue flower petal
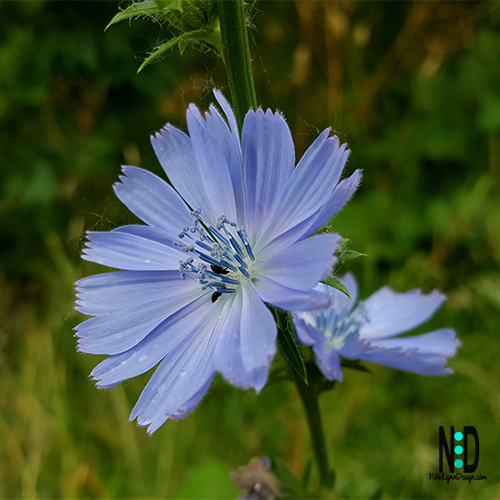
[[284, 240], [183, 373], [227, 356], [258, 331], [179, 329], [229, 142], [183, 409], [302, 264], [425, 354], [213, 165], [442, 342], [131, 252], [343, 192], [340, 196], [391, 313], [231, 149], [290, 299], [328, 362], [306, 332], [152, 200], [117, 331], [228, 111], [148, 233], [175, 153], [268, 161], [311, 184], [109, 292]]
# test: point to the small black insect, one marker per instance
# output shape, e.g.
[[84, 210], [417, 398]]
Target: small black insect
[[215, 296], [218, 270]]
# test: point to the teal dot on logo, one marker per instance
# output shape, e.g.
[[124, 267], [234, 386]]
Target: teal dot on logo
[[458, 463], [458, 450], [458, 437]]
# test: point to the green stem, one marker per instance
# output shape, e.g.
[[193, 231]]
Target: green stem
[[309, 397], [236, 55]]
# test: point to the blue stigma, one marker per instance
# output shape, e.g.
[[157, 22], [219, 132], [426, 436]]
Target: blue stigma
[[223, 260]]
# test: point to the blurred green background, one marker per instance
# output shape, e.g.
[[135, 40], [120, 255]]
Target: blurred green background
[[413, 87]]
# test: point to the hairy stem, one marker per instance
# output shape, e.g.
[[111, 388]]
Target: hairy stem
[[236, 55]]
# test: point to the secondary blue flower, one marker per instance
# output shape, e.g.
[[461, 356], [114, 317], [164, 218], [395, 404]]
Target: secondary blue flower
[[227, 236], [367, 331]]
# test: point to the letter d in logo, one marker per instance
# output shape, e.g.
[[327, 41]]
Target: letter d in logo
[[469, 430]]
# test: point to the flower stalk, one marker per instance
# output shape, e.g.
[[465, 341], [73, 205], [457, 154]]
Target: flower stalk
[[309, 398], [236, 55]]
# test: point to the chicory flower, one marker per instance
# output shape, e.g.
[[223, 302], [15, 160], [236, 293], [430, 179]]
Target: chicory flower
[[229, 234], [367, 331]]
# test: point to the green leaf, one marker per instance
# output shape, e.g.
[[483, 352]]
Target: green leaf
[[170, 4], [344, 254], [181, 40], [185, 15], [350, 255], [335, 283], [145, 8], [287, 342], [159, 51], [197, 20], [188, 15]]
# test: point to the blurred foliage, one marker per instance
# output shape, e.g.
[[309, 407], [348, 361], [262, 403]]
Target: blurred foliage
[[413, 87]]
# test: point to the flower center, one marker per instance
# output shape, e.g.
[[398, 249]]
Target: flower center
[[222, 260], [339, 324]]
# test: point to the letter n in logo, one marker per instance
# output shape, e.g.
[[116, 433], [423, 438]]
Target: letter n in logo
[[444, 445]]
